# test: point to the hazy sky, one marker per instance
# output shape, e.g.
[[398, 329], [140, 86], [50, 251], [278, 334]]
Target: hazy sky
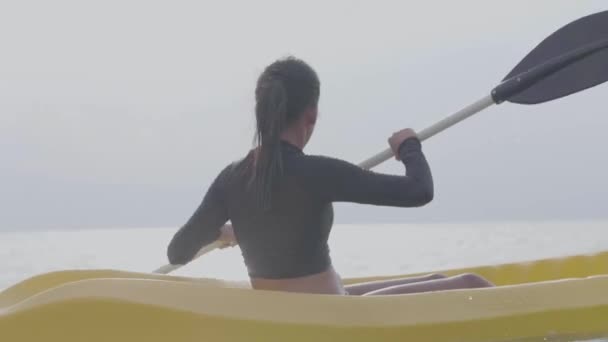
[[120, 113]]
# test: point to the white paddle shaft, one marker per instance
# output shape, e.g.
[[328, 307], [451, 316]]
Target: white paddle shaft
[[434, 129]]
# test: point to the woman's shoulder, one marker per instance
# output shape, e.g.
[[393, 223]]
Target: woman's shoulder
[[237, 167], [319, 164]]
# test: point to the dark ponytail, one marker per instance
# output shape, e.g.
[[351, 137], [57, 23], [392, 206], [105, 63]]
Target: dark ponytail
[[284, 91], [272, 109]]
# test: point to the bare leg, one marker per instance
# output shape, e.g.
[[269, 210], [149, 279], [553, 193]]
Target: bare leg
[[362, 288], [463, 281]]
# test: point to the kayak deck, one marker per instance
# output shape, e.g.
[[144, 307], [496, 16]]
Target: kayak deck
[[540, 298]]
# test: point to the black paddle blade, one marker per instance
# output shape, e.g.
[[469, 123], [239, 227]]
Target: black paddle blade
[[587, 37]]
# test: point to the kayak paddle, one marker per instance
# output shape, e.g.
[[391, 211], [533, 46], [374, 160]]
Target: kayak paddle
[[572, 59]]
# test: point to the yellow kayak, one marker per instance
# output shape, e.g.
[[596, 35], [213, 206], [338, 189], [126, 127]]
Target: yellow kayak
[[539, 299]]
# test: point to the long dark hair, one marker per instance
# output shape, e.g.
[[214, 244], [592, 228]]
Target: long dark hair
[[284, 91]]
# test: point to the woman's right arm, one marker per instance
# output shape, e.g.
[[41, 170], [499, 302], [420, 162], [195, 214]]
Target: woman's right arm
[[339, 181]]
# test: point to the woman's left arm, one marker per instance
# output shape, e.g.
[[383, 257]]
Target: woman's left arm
[[203, 227]]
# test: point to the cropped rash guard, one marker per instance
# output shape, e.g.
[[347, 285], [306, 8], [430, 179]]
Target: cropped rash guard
[[290, 238]]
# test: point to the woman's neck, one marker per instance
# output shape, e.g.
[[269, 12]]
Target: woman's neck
[[295, 137]]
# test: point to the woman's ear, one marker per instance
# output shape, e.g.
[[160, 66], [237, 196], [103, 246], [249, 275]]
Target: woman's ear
[[310, 119], [310, 116]]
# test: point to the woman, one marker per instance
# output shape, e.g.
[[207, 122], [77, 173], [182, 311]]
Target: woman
[[279, 200]]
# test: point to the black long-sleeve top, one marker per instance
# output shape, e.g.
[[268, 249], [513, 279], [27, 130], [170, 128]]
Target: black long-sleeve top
[[290, 238]]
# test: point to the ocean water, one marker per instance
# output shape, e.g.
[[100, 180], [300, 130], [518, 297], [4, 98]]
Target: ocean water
[[357, 250]]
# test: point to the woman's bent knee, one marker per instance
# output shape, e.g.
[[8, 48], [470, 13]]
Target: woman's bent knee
[[435, 276], [474, 280]]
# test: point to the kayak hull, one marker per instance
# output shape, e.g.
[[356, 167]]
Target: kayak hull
[[564, 296]]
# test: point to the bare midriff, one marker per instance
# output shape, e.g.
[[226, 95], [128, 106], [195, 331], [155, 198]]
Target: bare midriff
[[327, 282]]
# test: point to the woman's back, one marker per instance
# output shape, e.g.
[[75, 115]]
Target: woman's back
[[289, 237]]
